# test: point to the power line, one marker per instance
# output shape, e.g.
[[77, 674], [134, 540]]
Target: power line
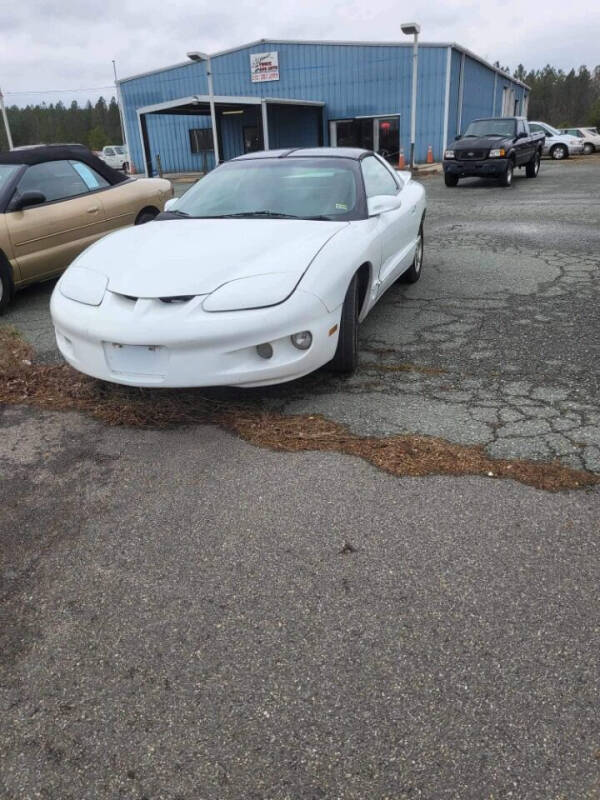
[[60, 91]]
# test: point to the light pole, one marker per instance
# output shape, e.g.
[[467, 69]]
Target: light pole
[[6, 125], [413, 28], [118, 91], [196, 55]]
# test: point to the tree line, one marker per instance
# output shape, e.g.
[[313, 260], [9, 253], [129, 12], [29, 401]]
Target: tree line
[[93, 125], [564, 99]]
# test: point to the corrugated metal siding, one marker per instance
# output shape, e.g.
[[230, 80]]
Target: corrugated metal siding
[[169, 136], [352, 80], [293, 126]]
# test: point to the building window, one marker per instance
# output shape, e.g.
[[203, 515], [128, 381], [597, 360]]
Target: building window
[[201, 140]]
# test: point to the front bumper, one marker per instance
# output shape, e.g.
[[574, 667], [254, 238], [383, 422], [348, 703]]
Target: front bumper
[[151, 343], [485, 168]]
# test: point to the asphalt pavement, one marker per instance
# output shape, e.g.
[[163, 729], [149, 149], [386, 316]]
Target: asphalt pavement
[[185, 615]]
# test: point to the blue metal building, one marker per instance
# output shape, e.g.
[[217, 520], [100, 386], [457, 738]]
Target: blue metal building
[[274, 93]]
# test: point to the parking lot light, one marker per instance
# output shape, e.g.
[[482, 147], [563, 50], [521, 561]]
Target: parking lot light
[[412, 28]]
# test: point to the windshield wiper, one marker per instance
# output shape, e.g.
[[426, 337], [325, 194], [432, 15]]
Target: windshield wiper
[[273, 214]]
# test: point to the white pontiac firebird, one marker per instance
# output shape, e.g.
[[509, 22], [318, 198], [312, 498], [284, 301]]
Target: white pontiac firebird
[[260, 273]]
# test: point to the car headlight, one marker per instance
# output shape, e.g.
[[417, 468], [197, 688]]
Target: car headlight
[[449, 154], [83, 285], [499, 153], [258, 291]]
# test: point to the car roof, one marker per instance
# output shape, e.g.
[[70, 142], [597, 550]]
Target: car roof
[[61, 152], [354, 153]]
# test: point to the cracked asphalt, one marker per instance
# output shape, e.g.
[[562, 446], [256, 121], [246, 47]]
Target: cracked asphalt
[[185, 616]]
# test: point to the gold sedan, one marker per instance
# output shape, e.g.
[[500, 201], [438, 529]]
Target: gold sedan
[[55, 201]]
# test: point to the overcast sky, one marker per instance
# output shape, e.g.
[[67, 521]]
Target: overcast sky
[[48, 45]]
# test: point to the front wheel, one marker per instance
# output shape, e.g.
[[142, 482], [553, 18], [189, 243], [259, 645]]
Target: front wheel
[[413, 273], [450, 180], [588, 148], [146, 216], [558, 152], [345, 359], [506, 179], [6, 285], [533, 167], [125, 167]]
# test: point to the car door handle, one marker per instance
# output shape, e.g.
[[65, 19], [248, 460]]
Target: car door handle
[[93, 210]]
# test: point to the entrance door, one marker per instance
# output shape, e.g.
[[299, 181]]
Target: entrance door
[[381, 134]]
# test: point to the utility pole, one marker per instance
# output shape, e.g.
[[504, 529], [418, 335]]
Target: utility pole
[[118, 90], [6, 125], [415, 30]]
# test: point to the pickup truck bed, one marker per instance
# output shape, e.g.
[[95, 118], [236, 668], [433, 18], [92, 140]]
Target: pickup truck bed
[[493, 148]]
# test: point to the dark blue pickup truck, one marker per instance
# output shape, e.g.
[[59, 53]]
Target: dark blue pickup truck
[[494, 148]]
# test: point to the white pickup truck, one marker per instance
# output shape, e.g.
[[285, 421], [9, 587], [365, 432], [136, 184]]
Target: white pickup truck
[[116, 156]]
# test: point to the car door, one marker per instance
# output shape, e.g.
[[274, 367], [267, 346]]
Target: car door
[[48, 236], [395, 227], [537, 128], [522, 145]]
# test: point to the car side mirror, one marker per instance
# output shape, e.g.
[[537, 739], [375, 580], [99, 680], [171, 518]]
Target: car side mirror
[[27, 199], [170, 204], [521, 135], [381, 203]]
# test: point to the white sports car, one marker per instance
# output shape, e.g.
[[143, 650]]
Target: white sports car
[[259, 274]]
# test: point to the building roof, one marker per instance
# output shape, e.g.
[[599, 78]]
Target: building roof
[[351, 43]]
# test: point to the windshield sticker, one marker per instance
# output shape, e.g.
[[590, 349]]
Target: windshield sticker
[[341, 206]]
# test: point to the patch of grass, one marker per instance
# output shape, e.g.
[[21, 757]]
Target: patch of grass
[[60, 388]]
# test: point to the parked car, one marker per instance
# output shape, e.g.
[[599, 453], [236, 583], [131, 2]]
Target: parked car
[[557, 145], [493, 148], [116, 156], [260, 273], [589, 136], [55, 201]]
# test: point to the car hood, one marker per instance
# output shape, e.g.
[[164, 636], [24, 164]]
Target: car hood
[[195, 256]]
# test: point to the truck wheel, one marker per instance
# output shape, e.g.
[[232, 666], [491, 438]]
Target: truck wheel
[[450, 180], [588, 148], [533, 167], [558, 152], [506, 179]]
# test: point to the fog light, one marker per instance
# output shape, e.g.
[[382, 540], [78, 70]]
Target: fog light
[[302, 340], [264, 350]]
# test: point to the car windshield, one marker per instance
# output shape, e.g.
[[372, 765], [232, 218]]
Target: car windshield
[[491, 127], [303, 188], [593, 131], [553, 131], [6, 173]]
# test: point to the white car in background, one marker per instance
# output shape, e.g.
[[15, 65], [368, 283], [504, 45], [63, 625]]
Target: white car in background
[[558, 145], [260, 273], [116, 156], [589, 136]]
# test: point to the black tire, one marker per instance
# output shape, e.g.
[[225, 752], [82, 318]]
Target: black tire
[[413, 273], [533, 167], [588, 148], [6, 284], [345, 359], [125, 166], [450, 180], [559, 152], [506, 179], [146, 216]]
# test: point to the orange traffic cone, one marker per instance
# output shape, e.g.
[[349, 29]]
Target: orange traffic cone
[[132, 169], [430, 155], [401, 161]]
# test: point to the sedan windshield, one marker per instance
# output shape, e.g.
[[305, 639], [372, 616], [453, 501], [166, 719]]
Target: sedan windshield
[[6, 173], [301, 188], [491, 127]]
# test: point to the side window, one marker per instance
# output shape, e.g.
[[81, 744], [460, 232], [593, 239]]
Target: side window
[[536, 128], [520, 126], [91, 178], [108, 151], [377, 178], [56, 180]]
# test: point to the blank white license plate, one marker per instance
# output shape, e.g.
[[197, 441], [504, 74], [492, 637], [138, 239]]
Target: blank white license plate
[[136, 359]]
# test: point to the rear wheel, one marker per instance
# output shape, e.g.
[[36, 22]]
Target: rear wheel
[[413, 273], [533, 167], [506, 179], [6, 284], [588, 148], [146, 216], [345, 359], [450, 180], [558, 152]]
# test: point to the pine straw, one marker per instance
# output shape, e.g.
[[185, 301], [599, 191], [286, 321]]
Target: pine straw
[[60, 388]]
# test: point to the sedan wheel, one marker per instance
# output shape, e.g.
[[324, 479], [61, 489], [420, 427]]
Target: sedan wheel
[[413, 273], [345, 359], [5, 286], [588, 148], [559, 152]]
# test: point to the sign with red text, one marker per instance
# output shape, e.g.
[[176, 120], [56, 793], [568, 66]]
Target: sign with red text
[[264, 67]]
